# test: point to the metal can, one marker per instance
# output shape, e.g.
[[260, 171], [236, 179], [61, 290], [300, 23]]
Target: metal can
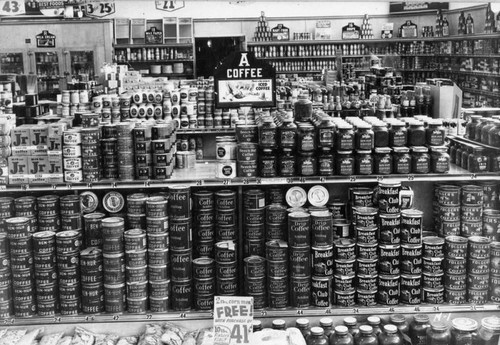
[[70, 204], [181, 296], [455, 246], [366, 216], [276, 231], [203, 268], [367, 251], [276, 214], [136, 258], [411, 259], [180, 233], [433, 296], [181, 268], [300, 261], [344, 283], [276, 250], [158, 257], [250, 216], [299, 229], [48, 205], [455, 297], [321, 291], [366, 235], [93, 229], [322, 261], [347, 267], [254, 199], [433, 281], [135, 239], [227, 287], [227, 233], [321, 229], [479, 247], [433, 265], [448, 195], [491, 224], [367, 282], [225, 200], [156, 207], [158, 241], [344, 298], [341, 228], [366, 298], [411, 291], [253, 247], [455, 265], [478, 266], [156, 225], [255, 232], [388, 197], [225, 251], [226, 270], [390, 228], [389, 259], [411, 226], [300, 292], [344, 249], [388, 291], [203, 200], [433, 246], [472, 195], [477, 296], [254, 267], [159, 288]]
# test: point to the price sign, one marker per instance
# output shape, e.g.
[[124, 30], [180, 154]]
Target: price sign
[[169, 5], [12, 7], [99, 9], [233, 316]]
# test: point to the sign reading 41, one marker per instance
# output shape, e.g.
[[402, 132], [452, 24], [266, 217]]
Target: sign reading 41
[[12, 7], [169, 5], [98, 9]]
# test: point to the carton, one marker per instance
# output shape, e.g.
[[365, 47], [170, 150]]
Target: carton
[[20, 136], [55, 165], [21, 151], [54, 143], [38, 179], [446, 98], [19, 179], [18, 165], [38, 135], [38, 165]]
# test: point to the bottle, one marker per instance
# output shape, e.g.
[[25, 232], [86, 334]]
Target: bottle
[[327, 324], [352, 325], [438, 334], [446, 27], [365, 336], [461, 24], [489, 332], [497, 29], [390, 336], [400, 322], [317, 337], [418, 329], [374, 321], [279, 324], [469, 25], [342, 336], [304, 326]]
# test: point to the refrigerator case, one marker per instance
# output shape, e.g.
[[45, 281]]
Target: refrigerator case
[[12, 63]]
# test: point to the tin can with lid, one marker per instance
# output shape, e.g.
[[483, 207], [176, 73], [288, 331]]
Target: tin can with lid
[[389, 259], [388, 197], [411, 290], [276, 250], [390, 228], [389, 289], [321, 229], [299, 229], [321, 291], [344, 249], [411, 259], [322, 261], [300, 292], [300, 261], [411, 226]]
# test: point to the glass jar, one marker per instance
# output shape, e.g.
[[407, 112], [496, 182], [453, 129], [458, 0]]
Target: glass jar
[[494, 135], [458, 154], [383, 161], [477, 133], [287, 163], [381, 135], [495, 161], [268, 164], [306, 138], [477, 161], [326, 132], [317, 337], [306, 163], [366, 336], [364, 163], [470, 128], [303, 108], [327, 324], [374, 321], [438, 334], [463, 331], [440, 160], [401, 160], [398, 135], [279, 324], [344, 163], [453, 151], [341, 336], [344, 138], [490, 123], [489, 332], [390, 336], [268, 134], [352, 325], [304, 326], [400, 322], [418, 329], [420, 160], [416, 134], [435, 133], [465, 157], [364, 137], [287, 134], [326, 163]]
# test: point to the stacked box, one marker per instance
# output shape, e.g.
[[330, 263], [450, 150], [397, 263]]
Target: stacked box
[[109, 151], [142, 151], [90, 137], [163, 149], [54, 151], [92, 280], [72, 156]]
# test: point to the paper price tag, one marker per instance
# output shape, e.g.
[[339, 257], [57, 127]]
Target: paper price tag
[[233, 316], [12, 7]]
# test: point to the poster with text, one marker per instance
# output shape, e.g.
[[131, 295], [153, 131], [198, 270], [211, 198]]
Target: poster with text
[[233, 316]]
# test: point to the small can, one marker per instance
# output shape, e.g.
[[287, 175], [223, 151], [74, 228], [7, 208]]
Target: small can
[[388, 197], [226, 270], [455, 246], [477, 296], [135, 239], [156, 225], [322, 261], [455, 297], [388, 291], [455, 282], [136, 258], [257, 231], [361, 196], [478, 266], [472, 214], [345, 267], [367, 235], [180, 233], [344, 283], [366, 216], [479, 247], [299, 229], [321, 228], [204, 249], [159, 288], [251, 217], [276, 214], [389, 228], [344, 298], [389, 259], [494, 291], [179, 201], [203, 268], [48, 205], [367, 282], [206, 302], [449, 228], [433, 281], [366, 298], [158, 304], [227, 233], [225, 200], [225, 251], [93, 229], [157, 241], [205, 232], [156, 207], [253, 247], [204, 217], [455, 265], [411, 226], [300, 292], [300, 261], [491, 224], [448, 195], [276, 250], [137, 274], [157, 272], [341, 228], [181, 268], [158, 257], [344, 249], [278, 300], [254, 267], [433, 265], [205, 286], [277, 268], [449, 213], [411, 291], [227, 287], [137, 305], [321, 291], [433, 296], [433, 246], [411, 259], [367, 251], [203, 200], [254, 199], [472, 195]]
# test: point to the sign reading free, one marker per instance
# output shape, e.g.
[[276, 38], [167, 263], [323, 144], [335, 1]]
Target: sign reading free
[[233, 316]]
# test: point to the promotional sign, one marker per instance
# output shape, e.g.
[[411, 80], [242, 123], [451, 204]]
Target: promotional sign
[[169, 5], [323, 30], [233, 316], [153, 36], [45, 40], [280, 33], [242, 80], [98, 9], [417, 6], [387, 30], [409, 29], [351, 32], [12, 7]]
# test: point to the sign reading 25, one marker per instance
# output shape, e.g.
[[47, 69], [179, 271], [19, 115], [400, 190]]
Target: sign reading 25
[[99, 9]]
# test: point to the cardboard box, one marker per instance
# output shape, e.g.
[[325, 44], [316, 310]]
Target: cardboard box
[[55, 165], [55, 178], [38, 135], [56, 129], [18, 165], [54, 143], [19, 179], [38, 165], [23, 151], [38, 179], [38, 150], [21, 136], [446, 98]]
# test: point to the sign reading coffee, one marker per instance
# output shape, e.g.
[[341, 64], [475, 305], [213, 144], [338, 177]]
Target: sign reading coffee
[[243, 80]]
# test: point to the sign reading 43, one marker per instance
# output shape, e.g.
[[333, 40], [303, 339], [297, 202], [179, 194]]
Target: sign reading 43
[[12, 7], [99, 9]]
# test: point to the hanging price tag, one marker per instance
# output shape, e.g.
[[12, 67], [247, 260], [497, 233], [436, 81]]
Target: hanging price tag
[[12, 7], [98, 9], [233, 316]]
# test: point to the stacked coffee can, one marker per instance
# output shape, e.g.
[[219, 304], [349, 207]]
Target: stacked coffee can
[[72, 155], [278, 268], [48, 207], [142, 151], [22, 268], [276, 222], [136, 267], [109, 152], [203, 283], [455, 269], [495, 272], [92, 279], [299, 241], [6, 212], [68, 244], [471, 210], [181, 251], [163, 150], [433, 253], [70, 210], [90, 137], [478, 269], [112, 230], [254, 268], [157, 238], [226, 253], [26, 206], [254, 214], [44, 245], [92, 229], [204, 223], [125, 149]]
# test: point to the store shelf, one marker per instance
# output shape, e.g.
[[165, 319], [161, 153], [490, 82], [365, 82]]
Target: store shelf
[[164, 45], [169, 75], [409, 70], [468, 141], [204, 175], [481, 92], [298, 72], [155, 61], [206, 131], [447, 55], [267, 313], [298, 57], [472, 73]]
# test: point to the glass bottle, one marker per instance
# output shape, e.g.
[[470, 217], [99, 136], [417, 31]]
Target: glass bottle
[[465, 157], [401, 160], [489, 332], [326, 132], [381, 135], [344, 163], [364, 137], [344, 138], [435, 133], [418, 329], [341, 336], [477, 133], [326, 163], [494, 135], [453, 151], [390, 336], [463, 331], [416, 134], [440, 160], [327, 324], [383, 161], [365, 336], [304, 326], [317, 337], [470, 128], [303, 108], [352, 325], [268, 134], [420, 160], [438, 334], [364, 163], [374, 321], [400, 322], [490, 123], [477, 160], [287, 134], [279, 324]]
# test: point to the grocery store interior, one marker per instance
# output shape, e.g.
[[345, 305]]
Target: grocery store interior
[[249, 172]]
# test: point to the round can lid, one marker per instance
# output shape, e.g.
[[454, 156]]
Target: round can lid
[[318, 196], [89, 202], [296, 197], [113, 202], [464, 324]]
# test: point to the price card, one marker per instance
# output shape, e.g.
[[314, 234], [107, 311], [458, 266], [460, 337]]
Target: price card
[[12, 7], [99, 9], [233, 316]]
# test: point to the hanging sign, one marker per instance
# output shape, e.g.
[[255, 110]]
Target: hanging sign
[[417, 6], [233, 316], [280, 33], [99, 9], [45, 40], [12, 7], [351, 32], [243, 80], [153, 36], [409, 29], [169, 5]]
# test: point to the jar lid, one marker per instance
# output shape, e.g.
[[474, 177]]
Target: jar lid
[[439, 326], [420, 149], [433, 240], [344, 152], [401, 149], [317, 331], [344, 126], [491, 322], [435, 122], [383, 150], [373, 320], [397, 318], [366, 329], [364, 125], [326, 322], [364, 152], [439, 149], [351, 321], [421, 318], [296, 197], [390, 328], [279, 323], [464, 324], [287, 151], [302, 322], [341, 330], [411, 212], [325, 150], [415, 123], [269, 151]]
